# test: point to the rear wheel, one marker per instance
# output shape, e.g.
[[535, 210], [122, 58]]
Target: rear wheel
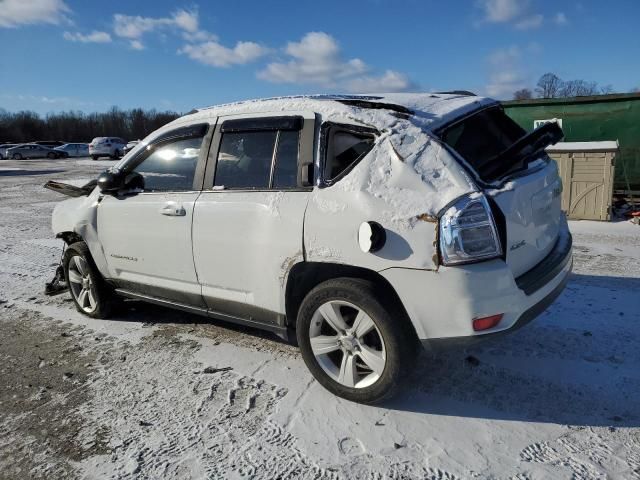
[[356, 347], [116, 155], [51, 155], [90, 293], [94, 157], [17, 156]]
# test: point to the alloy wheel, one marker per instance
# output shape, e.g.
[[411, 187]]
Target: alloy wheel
[[347, 344], [81, 285]]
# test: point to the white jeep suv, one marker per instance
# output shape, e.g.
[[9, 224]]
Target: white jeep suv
[[359, 225]]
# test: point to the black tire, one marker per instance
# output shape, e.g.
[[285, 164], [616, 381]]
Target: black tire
[[103, 294], [17, 156], [391, 322], [94, 157], [52, 156], [116, 155]]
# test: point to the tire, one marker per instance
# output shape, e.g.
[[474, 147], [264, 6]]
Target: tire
[[94, 157], [17, 156], [51, 155], [116, 155], [377, 360], [82, 274]]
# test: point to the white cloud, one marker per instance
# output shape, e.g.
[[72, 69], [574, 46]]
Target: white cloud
[[506, 71], [133, 27], [93, 37], [217, 55], [530, 22], [499, 11], [14, 13], [560, 19], [390, 81], [515, 12], [136, 45], [317, 60]]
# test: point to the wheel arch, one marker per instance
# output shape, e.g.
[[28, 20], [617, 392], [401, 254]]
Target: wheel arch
[[304, 276]]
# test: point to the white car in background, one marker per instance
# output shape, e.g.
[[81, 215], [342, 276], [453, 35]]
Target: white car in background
[[74, 149], [111, 147], [360, 226]]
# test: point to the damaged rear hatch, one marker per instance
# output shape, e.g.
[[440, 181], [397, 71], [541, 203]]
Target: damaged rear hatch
[[518, 177]]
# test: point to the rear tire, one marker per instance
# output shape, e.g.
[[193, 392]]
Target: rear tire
[[362, 349], [17, 156], [116, 155], [94, 157], [52, 156], [91, 295]]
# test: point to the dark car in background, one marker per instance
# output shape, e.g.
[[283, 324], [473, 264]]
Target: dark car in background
[[49, 143], [32, 150]]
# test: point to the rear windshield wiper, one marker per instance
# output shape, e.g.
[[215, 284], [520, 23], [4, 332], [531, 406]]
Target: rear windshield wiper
[[518, 155]]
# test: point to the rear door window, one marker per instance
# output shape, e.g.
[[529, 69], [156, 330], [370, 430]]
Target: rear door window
[[257, 159], [481, 137]]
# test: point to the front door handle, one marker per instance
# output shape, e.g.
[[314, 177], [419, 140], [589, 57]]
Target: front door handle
[[172, 209]]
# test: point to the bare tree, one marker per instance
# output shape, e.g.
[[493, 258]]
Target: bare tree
[[523, 94], [549, 86], [578, 88]]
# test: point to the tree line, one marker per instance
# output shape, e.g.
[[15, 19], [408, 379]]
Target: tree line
[[76, 126], [551, 86]]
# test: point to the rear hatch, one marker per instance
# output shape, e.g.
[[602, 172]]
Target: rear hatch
[[518, 176]]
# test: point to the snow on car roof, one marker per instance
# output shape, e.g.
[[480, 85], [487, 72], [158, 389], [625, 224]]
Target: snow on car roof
[[428, 109]]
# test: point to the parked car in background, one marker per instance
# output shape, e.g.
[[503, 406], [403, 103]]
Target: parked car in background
[[3, 149], [107, 147], [130, 146], [74, 149], [32, 150], [49, 143], [362, 226]]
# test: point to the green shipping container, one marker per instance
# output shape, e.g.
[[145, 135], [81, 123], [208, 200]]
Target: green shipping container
[[590, 119]]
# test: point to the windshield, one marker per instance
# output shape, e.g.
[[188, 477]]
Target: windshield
[[481, 138]]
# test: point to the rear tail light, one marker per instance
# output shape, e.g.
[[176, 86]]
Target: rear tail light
[[485, 323], [468, 232]]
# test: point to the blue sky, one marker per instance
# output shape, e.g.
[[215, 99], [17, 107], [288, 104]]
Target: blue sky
[[89, 55]]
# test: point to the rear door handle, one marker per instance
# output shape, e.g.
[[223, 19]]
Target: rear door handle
[[172, 209]]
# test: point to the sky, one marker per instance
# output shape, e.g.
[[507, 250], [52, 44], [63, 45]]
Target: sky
[[90, 55]]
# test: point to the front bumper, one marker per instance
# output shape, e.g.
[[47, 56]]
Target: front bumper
[[443, 304]]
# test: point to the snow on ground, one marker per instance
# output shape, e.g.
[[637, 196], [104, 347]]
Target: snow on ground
[[156, 393]]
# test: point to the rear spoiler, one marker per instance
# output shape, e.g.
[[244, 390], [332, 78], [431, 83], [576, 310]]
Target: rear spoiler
[[525, 149], [71, 190]]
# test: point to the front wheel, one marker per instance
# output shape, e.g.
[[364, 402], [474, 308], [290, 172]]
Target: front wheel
[[17, 156], [51, 155], [355, 347], [116, 155], [91, 295], [94, 157]]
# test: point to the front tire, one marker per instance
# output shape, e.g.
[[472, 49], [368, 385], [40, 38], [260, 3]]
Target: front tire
[[52, 156], [17, 156], [116, 155], [94, 157], [91, 295], [356, 347]]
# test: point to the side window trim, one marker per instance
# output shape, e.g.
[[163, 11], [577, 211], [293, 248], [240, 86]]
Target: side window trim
[[306, 141], [181, 133], [325, 133]]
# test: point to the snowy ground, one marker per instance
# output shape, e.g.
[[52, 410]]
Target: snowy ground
[[161, 394]]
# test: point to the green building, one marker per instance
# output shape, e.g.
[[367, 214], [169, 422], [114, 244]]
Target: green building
[[590, 119]]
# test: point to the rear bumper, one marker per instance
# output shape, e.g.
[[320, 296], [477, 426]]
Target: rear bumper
[[443, 304]]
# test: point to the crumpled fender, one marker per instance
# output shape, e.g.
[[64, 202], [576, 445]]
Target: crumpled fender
[[80, 216]]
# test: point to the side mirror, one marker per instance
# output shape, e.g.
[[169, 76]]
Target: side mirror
[[110, 181]]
